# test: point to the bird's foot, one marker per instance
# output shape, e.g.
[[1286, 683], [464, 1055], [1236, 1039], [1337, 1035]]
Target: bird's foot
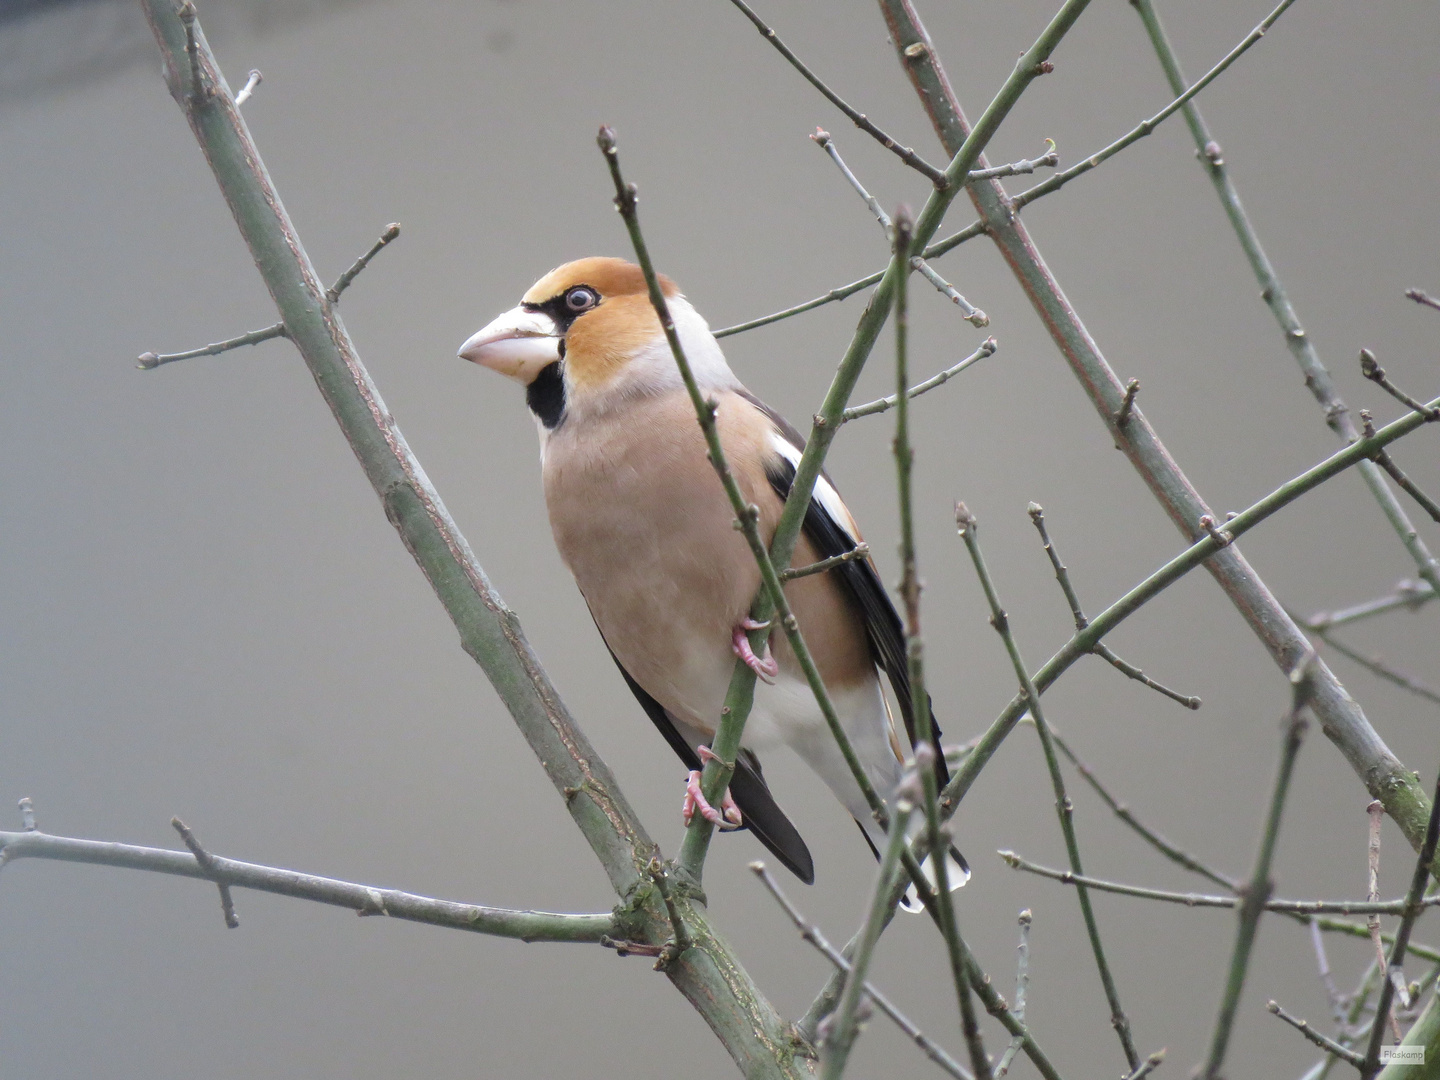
[[765, 667], [695, 800]]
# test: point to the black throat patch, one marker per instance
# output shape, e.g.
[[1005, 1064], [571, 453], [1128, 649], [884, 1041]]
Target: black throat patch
[[546, 395]]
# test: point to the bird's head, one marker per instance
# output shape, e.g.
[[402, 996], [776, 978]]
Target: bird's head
[[586, 338]]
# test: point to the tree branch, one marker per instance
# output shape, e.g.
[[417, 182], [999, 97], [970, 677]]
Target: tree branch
[[362, 899], [1341, 717]]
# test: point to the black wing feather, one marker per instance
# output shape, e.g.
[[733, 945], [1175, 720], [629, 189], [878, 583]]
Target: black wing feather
[[862, 582], [762, 815]]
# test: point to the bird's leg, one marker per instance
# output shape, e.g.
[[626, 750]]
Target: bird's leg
[[765, 667], [695, 799]]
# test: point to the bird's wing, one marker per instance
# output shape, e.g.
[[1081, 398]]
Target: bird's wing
[[762, 816], [830, 528]]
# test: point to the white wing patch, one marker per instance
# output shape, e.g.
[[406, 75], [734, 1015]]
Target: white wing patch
[[824, 494]]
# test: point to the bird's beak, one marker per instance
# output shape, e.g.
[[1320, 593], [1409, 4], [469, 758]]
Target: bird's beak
[[519, 344]]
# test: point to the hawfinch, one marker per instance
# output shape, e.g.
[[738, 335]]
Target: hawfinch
[[643, 523]]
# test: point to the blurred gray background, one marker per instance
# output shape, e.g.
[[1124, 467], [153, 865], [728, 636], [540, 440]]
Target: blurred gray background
[[208, 615]]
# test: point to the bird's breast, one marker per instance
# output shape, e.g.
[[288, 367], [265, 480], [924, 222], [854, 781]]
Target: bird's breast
[[643, 523]]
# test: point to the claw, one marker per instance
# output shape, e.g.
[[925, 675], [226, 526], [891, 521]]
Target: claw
[[695, 800], [765, 667]]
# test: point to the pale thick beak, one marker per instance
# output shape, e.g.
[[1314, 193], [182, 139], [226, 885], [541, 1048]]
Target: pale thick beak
[[519, 344]]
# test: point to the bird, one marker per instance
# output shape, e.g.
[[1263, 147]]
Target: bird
[[641, 520]]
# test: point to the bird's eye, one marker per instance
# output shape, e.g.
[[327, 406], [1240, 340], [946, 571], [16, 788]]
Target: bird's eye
[[581, 298]]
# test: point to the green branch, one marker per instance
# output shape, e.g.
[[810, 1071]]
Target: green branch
[[362, 899]]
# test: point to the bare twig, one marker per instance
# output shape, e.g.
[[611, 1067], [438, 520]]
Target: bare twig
[[186, 14], [835, 1049], [343, 281], [1145, 127], [969, 533], [1300, 907], [859, 551], [1327, 980], [27, 814], [1257, 890], [1415, 901], [1048, 160], [1371, 369], [1100, 649], [973, 315], [1146, 1067], [1022, 982], [680, 934], [987, 348], [923, 726], [251, 82], [1423, 298], [825, 142], [1407, 594], [811, 933], [1329, 1045], [365, 899], [149, 361], [1376, 666], [227, 904], [1127, 404], [859, 119]]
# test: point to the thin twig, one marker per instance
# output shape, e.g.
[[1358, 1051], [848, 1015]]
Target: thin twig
[[987, 348], [1376, 813], [1149, 1065], [1408, 593], [366, 899], [1127, 404], [825, 142], [1145, 127], [27, 814], [186, 14], [148, 361], [1301, 907], [1423, 298], [1100, 649], [840, 1036], [810, 932], [1414, 904], [1048, 160], [227, 904], [969, 533], [1255, 894], [1124, 813], [973, 315], [1371, 369], [1327, 1044], [680, 935], [859, 551], [934, 251], [251, 82], [1327, 980], [1022, 982], [343, 281], [1376, 666], [923, 728], [860, 120]]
